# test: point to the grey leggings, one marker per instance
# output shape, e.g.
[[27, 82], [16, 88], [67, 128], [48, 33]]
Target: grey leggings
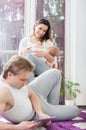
[[47, 87], [40, 65]]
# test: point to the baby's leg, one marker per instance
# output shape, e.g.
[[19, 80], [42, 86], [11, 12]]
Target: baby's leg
[[40, 65]]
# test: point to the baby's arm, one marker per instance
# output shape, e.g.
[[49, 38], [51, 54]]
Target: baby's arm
[[49, 64], [55, 63]]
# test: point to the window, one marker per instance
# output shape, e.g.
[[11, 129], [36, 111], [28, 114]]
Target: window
[[11, 28], [54, 11]]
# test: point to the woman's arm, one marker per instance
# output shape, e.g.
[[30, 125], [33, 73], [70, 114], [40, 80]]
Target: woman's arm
[[23, 45], [41, 53], [48, 57]]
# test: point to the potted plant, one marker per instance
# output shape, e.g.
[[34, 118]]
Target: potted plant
[[71, 91], [62, 93]]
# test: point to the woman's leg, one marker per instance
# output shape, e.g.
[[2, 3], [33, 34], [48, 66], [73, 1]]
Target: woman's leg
[[60, 112], [40, 65], [48, 85], [32, 77]]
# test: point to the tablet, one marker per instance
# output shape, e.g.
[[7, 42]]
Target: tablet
[[45, 120]]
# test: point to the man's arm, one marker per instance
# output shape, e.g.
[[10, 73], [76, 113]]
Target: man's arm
[[25, 125], [36, 104], [35, 101], [5, 98], [4, 95], [6, 126]]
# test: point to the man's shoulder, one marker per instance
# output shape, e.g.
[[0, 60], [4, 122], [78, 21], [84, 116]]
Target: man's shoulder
[[3, 86], [4, 93]]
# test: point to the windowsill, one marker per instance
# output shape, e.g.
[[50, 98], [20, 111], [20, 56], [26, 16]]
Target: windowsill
[[9, 51]]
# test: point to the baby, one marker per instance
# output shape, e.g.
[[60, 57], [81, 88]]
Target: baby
[[52, 50]]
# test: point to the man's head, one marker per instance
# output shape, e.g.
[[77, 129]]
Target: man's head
[[17, 64], [17, 71]]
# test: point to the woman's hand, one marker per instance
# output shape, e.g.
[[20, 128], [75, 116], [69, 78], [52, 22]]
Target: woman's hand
[[25, 50], [39, 53]]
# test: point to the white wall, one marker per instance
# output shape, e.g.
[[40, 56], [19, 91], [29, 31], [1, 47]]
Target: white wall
[[75, 63], [81, 48]]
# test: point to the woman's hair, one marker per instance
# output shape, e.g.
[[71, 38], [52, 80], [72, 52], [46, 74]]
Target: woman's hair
[[48, 32], [17, 64]]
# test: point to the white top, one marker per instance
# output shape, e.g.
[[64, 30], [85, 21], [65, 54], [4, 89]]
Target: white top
[[22, 110], [26, 42]]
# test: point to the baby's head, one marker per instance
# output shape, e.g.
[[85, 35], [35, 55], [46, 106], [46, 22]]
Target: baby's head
[[53, 50]]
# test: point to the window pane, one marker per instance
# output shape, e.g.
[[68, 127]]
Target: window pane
[[11, 28], [11, 23], [54, 11]]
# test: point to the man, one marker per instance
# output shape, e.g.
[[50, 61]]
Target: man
[[14, 76], [20, 103]]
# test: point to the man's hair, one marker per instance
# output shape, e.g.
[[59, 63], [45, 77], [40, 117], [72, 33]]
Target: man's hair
[[16, 64]]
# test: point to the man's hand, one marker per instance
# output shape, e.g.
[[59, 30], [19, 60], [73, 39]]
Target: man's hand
[[27, 125], [42, 116]]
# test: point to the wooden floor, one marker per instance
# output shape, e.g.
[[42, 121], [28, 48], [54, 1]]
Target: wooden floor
[[82, 107]]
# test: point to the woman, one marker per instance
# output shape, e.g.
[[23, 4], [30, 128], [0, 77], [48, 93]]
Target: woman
[[41, 36]]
